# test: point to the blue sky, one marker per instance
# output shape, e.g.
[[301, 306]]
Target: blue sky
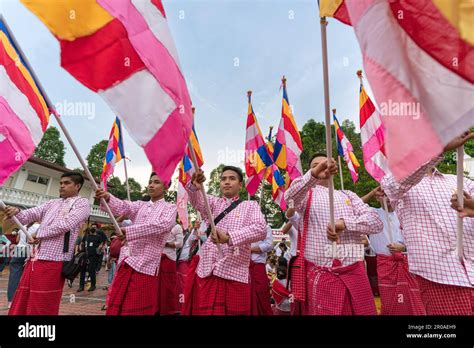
[[226, 47]]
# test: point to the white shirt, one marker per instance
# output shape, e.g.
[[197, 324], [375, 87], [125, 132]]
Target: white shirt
[[175, 236], [187, 246], [265, 246], [293, 233], [379, 241]]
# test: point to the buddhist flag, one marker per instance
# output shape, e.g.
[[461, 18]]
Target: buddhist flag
[[114, 152], [257, 158], [288, 145], [274, 177], [123, 50], [418, 57], [24, 115], [345, 150]]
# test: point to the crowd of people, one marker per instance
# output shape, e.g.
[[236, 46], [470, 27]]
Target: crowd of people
[[405, 251]]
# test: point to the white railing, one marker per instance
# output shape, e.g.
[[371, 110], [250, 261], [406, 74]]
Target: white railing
[[31, 199]]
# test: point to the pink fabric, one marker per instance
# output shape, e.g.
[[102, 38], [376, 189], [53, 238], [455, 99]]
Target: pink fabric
[[170, 141], [152, 222], [245, 225], [358, 216], [17, 146], [399, 291], [370, 147], [405, 154], [428, 223], [57, 217]]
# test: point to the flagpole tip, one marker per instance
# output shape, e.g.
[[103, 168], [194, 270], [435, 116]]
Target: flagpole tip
[[359, 74], [249, 93], [271, 127], [193, 109], [283, 80], [333, 111]]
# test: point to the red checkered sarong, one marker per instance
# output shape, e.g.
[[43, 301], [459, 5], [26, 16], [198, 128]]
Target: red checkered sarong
[[40, 289], [260, 290], [218, 296], [443, 299], [399, 292], [339, 290], [167, 299], [371, 263], [182, 268], [132, 293], [190, 293]]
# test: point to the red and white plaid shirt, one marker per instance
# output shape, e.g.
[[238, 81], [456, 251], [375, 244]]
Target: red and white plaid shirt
[[358, 217], [152, 223], [429, 225], [245, 225], [57, 217]]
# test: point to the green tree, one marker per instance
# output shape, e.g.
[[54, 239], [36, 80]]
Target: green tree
[[115, 187], [95, 158], [135, 189], [51, 147]]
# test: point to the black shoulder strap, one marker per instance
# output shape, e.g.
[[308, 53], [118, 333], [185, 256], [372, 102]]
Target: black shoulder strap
[[223, 214], [180, 250], [67, 235]]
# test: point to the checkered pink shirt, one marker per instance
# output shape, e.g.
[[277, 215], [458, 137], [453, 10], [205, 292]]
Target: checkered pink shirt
[[245, 225], [57, 216], [429, 225], [358, 217], [152, 223]]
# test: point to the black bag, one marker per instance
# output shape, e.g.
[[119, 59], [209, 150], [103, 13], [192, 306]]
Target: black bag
[[73, 267]]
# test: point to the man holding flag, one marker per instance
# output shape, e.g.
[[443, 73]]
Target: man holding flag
[[135, 286], [336, 283], [221, 286], [422, 202]]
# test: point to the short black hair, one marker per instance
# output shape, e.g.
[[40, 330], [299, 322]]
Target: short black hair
[[236, 170], [76, 178], [164, 184], [314, 155]]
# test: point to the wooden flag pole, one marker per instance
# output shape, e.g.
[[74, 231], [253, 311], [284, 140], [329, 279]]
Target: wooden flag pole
[[387, 217], [460, 193], [63, 128], [328, 124], [338, 157], [204, 195], [125, 162], [18, 223]]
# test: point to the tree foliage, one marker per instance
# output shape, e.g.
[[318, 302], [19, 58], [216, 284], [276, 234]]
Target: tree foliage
[[51, 148]]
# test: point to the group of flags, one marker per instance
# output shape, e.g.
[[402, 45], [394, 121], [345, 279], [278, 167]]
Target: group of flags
[[267, 160], [123, 50]]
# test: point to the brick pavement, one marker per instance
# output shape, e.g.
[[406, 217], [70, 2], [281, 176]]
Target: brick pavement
[[72, 303]]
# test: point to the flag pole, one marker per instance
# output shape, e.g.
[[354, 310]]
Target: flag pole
[[204, 195], [340, 172], [338, 156], [58, 119], [387, 217], [18, 223], [460, 193], [124, 162], [324, 47]]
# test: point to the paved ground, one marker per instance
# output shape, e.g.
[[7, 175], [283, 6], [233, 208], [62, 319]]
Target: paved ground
[[73, 303], [83, 303]]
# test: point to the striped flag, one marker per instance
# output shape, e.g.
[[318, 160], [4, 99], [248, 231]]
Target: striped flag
[[372, 136], [257, 158], [418, 60], [334, 8], [288, 145], [185, 171], [114, 152], [275, 178], [24, 115], [123, 50], [345, 150]]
